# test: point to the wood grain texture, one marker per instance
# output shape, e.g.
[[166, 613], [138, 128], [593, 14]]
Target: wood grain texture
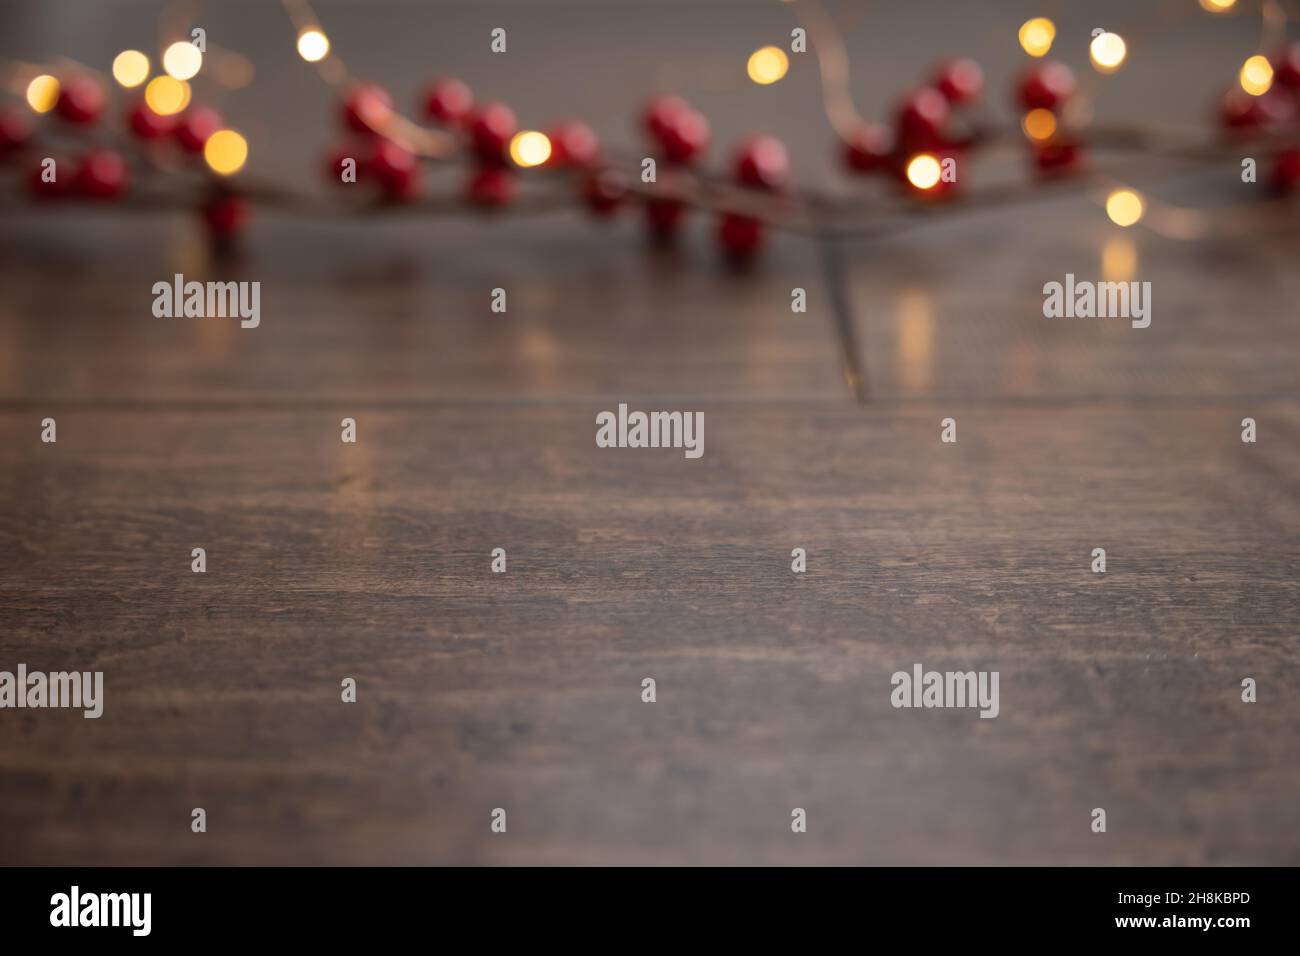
[[522, 690], [481, 690], [403, 314]]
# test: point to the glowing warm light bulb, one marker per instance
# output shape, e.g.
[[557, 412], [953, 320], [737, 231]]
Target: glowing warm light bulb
[[1257, 75], [182, 60], [225, 152], [1218, 6], [767, 65], [130, 68], [923, 171], [167, 96], [1107, 52], [43, 93], [1036, 36], [1039, 125], [530, 148], [313, 45], [1125, 207]]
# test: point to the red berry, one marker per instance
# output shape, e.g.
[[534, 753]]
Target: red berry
[[225, 214], [1058, 158], [490, 128], [448, 101], [921, 118], [1046, 86], [664, 216], [739, 236], [1276, 106], [1286, 67], [604, 191], [196, 125], [762, 163], [869, 149], [1243, 113], [396, 168], [147, 124], [1239, 110], [960, 80], [81, 99], [687, 137], [1286, 170], [367, 107], [102, 174], [573, 143], [57, 188], [491, 188], [661, 113], [15, 131]]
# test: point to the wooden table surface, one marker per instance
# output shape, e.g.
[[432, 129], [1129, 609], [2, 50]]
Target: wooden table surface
[[476, 431]]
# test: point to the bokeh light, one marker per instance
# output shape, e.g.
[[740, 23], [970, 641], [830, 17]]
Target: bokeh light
[[1107, 52], [43, 93], [1125, 207], [130, 68], [767, 65], [225, 152], [182, 60], [167, 96], [1039, 125], [313, 45], [923, 171], [1036, 36], [1257, 75], [1218, 6], [530, 148]]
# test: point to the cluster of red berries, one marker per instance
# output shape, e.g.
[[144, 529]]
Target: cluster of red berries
[[680, 135], [929, 120], [1243, 115], [1050, 86], [101, 172], [926, 120], [98, 173], [486, 130]]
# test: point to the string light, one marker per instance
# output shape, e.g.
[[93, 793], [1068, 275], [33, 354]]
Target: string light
[[923, 171], [1039, 125], [1218, 6], [1036, 36], [167, 96], [182, 60], [1257, 75], [1107, 52], [225, 152], [130, 68], [1125, 207], [43, 93], [530, 148], [313, 45], [767, 65]]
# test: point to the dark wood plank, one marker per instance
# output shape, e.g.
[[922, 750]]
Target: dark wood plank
[[521, 690], [402, 313], [958, 310]]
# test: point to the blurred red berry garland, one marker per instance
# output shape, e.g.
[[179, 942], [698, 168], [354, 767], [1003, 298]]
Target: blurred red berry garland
[[934, 128]]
